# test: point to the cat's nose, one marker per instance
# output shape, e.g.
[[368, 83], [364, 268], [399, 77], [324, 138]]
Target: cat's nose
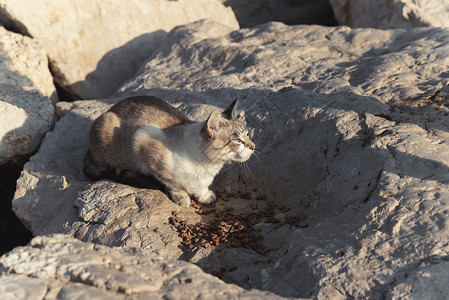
[[251, 146]]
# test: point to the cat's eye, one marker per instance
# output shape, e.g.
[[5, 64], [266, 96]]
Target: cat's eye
[[238, 141]]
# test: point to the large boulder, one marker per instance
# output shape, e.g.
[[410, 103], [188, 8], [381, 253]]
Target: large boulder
[[391, 14], [349, 186], [93, 47], [60, 267], [27, 96]]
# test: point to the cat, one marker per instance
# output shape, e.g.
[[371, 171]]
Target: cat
[[144, 138]]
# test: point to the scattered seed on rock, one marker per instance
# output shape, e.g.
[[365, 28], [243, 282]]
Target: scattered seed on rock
[[264, 250], [245, 195], [278, 225], [217, 273], [303, 225], [261, 197], [227, 228]]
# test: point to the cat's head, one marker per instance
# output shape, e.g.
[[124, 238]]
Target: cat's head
[[225, 138]]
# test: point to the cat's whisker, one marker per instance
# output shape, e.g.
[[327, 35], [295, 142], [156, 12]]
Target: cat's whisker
[[249, 161], [241, 169], [256, 155], [244, 172], [248, 168], [260, 161], [242, 165], [262, 151]]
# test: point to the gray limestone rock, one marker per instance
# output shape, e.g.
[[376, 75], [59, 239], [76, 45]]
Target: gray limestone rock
[[391, 14], [60, 267], [427, 281], [93, 47], [351, 135], [27, 95]]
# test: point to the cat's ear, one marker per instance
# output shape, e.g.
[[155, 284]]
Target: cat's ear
[[230, 112], [212, 124]]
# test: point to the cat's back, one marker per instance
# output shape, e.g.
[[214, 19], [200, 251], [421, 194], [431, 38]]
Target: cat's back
[[144, 110], [133, 121]]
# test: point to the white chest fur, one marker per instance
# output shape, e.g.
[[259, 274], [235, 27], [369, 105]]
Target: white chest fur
[[192, 174], [190, 169]]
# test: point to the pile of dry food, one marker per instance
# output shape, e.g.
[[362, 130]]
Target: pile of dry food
[[229, 229]]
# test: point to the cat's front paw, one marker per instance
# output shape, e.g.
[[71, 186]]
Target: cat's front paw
[[180, 198], [207, 197]]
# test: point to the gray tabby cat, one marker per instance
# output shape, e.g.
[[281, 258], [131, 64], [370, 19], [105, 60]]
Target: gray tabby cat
[[144, 136]]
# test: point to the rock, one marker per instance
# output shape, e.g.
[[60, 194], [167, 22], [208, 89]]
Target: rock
[[85, 39], [427, 281], [27, 95], [61, 267], [350, 128], [391, 14], [250, 13], [61, 108]]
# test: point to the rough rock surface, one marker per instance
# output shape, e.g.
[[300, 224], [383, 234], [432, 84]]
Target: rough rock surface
[[350, 128], [27, 95], [60, 267], [391, 14], [250, 13], [93, 48]]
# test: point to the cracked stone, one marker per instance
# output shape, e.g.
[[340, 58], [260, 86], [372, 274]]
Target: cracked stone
[[62, 267]]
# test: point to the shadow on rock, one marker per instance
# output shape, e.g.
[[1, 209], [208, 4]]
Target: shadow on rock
[[114, 68]]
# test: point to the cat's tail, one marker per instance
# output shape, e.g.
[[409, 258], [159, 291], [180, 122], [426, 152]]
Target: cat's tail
[[132, 178]]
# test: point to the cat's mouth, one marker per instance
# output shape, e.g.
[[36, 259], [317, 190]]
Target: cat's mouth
[[244, 156]]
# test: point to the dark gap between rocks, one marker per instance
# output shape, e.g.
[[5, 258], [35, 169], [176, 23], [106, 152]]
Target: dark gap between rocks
[[12, 232], [290, 12]]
